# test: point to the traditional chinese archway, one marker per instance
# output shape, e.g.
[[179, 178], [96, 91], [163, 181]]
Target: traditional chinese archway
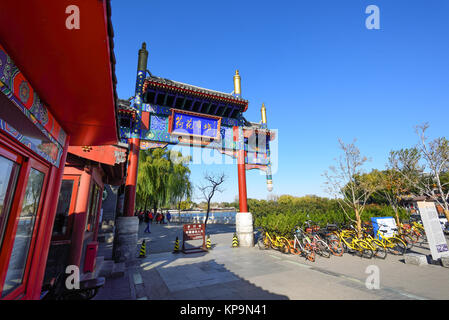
[[165, 112]]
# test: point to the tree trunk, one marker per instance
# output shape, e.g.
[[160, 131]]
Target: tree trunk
[[207, 214], [359, 223], [398, 222]]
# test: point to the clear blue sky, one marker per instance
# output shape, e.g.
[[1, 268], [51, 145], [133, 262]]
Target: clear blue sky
[[320, 72]]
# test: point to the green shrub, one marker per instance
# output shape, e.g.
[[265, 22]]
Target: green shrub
[[283, 215]]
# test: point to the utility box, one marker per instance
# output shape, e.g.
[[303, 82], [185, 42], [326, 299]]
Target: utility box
[[90, 257]]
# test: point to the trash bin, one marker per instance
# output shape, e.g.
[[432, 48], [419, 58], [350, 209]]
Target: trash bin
[[90, 257]]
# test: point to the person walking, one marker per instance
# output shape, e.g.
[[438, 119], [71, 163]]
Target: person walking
[[168, 216], [141, 217], [150, 216], [147, 220]]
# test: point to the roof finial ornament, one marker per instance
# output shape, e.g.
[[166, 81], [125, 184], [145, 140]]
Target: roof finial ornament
[[142, 58], [237, 84], [263, 112]]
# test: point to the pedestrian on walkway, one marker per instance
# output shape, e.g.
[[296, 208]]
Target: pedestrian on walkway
[[141, 217], [147, 220], [168, 216], [150, 216]]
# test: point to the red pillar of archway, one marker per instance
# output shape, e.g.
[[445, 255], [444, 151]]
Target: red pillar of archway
[[241, 170], [242, 181], [131, 178]]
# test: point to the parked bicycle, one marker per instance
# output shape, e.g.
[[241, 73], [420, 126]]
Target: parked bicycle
[[276, 242], [299, 247], [318, 245], [353, 244], [393, 243]]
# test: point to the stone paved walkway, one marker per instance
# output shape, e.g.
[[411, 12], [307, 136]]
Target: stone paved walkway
[[227, 273]]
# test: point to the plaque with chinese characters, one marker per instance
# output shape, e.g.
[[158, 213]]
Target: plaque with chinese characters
[[195, 125]]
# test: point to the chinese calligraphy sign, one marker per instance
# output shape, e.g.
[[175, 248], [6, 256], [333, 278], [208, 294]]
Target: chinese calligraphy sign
[[193, 124]]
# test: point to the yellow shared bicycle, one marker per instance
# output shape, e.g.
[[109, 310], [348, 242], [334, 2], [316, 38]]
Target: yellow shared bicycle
[[394, 243], [267, 241], [352, 243]]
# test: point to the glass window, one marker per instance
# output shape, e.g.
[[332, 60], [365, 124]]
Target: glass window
[[24, 233], [8, 179], [93, 208], [62, 212]]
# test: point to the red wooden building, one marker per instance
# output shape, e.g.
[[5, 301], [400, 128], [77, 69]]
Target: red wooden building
[[57, 88]]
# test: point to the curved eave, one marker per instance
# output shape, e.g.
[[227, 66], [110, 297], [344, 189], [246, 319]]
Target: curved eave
[[242, 103], [70, 69]]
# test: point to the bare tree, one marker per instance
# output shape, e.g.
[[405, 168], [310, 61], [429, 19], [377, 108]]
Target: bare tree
[[432, 157], [436, 155], [392, 187], [211, 186], [348, 183]]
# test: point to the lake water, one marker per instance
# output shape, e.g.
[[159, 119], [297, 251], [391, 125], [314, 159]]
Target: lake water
[[199, 217]]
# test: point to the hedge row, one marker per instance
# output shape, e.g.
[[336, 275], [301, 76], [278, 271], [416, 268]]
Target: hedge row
[[283, 215]]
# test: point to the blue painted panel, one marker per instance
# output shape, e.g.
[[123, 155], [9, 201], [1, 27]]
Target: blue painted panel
[[194, 125]]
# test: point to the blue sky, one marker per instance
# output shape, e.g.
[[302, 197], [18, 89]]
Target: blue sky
[[320, 72]]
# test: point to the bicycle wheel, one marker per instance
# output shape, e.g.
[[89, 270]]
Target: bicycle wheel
[[366, 249], [323, 249], [408, 240], [380, 251], [284, 247], [336, 247], [261, 243], [294, 249], [266, 243], [422, 237], [396, 246], [308, 252], [414, 236], [273, 244]]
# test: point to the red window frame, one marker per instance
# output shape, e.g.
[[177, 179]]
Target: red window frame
[[93, 207], [26, 160], [66, 238]]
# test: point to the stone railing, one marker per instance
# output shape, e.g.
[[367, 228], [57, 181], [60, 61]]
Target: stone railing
[[200, 217]]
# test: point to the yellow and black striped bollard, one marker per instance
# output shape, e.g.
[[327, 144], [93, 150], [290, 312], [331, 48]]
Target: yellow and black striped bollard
[[143, 250], [208, 243], [176, 249], [235, 241]]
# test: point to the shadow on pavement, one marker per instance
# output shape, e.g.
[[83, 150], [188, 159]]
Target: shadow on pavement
[[205, 280]]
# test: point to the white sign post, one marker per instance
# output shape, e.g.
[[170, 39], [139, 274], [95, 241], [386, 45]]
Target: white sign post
[[432, 227]]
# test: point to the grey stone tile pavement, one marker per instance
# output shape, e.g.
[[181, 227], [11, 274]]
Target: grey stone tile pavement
[[226, 273]]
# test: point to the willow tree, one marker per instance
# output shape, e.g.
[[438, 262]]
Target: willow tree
[[155, 168], [180, 187]]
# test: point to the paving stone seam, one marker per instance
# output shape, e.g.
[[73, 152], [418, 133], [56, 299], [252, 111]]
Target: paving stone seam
[[353, 279]]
